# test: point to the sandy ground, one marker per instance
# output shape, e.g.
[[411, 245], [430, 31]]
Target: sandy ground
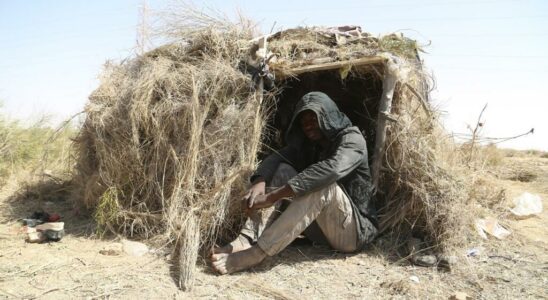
[[80, 266]]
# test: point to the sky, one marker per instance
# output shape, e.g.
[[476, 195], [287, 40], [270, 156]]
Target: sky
[[480, 52]]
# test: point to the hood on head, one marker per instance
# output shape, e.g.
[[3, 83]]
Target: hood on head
[[331, 120]]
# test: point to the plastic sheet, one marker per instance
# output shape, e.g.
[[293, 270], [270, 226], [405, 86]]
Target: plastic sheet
[[527, 205], [491, 226]]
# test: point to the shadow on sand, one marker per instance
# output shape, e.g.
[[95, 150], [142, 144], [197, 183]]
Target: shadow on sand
[[50, 195]]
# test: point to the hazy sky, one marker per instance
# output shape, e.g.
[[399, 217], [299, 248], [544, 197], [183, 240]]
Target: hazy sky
[[480, 52]]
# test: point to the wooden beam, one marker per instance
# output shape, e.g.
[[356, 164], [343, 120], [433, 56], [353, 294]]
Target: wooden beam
[[385, 106], [281, 73]]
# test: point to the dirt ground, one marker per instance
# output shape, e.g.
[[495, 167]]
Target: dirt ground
[[81, 265]]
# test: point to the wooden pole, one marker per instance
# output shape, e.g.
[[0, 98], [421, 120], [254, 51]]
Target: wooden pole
[[259, 95], [385, 105], [281, 73]]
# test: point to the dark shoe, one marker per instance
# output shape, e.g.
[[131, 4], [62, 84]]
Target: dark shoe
[[31, 222], [54, 235]]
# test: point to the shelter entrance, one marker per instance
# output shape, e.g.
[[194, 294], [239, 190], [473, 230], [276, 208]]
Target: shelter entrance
[[357, 94]]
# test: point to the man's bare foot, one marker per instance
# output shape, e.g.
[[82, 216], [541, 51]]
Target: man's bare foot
[[239, 244], [225, 263]]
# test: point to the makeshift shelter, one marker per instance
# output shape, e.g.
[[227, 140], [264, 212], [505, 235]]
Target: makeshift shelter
[[171, 136]]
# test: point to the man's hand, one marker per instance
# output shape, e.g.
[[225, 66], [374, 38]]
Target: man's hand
[[267, 200], [261, 201], [257, 189]]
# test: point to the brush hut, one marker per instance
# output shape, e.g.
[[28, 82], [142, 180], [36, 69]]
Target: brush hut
[[171, 136]]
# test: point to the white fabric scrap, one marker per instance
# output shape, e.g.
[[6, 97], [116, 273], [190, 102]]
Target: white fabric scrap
[[527, 205], [491, 226]]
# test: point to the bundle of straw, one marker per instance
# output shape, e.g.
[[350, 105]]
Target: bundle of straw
[[169, 141]]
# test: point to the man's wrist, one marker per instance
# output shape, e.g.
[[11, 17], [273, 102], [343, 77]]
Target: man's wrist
[[280, 193], [257, 179], [270, 198]]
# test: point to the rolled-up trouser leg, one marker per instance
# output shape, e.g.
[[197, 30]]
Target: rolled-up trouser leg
[[259, 220], [332, 210]]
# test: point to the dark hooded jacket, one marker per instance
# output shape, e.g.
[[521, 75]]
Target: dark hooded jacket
[[345, 161]]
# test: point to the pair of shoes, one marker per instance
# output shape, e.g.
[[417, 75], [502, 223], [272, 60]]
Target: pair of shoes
[[54, 235], [54, 231], [51, 231], [31, 222], [38, 218]]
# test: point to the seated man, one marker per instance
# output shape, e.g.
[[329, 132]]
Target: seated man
[[332, 189]]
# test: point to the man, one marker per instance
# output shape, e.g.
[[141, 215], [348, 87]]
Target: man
[[325, 171]]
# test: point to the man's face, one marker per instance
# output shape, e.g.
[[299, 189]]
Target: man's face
[[310, 126]]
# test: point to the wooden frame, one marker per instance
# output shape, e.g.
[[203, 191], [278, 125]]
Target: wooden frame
[[281, 73], [385, 103]]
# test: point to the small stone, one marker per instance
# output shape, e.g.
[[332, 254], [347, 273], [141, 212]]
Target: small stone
[[446, 261], [134, 248], [109, 252], [414, 278], [425, 260]]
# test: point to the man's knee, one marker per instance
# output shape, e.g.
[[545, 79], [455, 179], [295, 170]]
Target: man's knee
[[286, 169], [283, 173], [348, 248]]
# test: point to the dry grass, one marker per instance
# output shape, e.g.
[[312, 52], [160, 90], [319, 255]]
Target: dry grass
[[35, 148], [523, 153], [302, 46], [37, 156], [517, 166], [424, 189], [169, 139]]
